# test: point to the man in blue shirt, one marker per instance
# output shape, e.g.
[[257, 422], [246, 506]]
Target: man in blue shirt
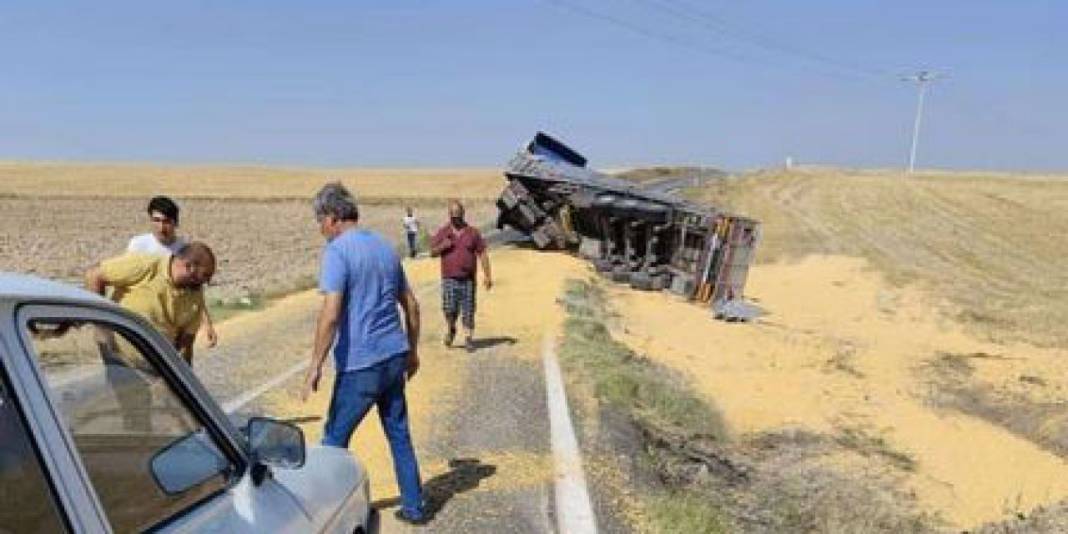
[[362, 282]]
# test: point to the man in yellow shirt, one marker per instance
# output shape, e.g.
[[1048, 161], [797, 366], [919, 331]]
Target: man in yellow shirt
[[166, 290]]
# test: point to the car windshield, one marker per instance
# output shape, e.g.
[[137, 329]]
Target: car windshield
[[147, 453]]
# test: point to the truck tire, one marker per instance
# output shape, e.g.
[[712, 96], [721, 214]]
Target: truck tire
[[661, 282], [603, 265], [641, 281]]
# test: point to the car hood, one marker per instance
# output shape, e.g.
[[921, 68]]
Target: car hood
[[331, 487]]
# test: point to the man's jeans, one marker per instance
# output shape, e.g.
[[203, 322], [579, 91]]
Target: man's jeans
[[381, 385]]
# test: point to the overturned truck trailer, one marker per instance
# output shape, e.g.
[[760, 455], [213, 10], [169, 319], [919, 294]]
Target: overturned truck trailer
[[648, 240]]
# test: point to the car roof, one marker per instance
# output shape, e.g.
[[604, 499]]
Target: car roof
[[24, 288]]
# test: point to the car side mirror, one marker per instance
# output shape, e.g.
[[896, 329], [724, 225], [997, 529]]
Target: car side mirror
[[186, 462], [275, 443]]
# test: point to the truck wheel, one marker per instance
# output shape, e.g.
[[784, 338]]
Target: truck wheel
[[641, 281], [661, 282]]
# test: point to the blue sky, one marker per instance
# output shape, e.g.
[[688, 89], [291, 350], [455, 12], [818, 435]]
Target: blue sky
[[738, 84]]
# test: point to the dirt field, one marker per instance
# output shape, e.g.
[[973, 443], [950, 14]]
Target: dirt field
[[259, 221]]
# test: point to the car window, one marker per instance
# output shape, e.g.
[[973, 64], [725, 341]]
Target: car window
[[147, 454], [27, 503]]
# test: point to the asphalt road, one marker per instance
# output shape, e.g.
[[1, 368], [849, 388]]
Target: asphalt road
[[501, 417]]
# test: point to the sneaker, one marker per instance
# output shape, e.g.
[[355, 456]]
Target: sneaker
[[469, 344], [449, 336], [407, 517]]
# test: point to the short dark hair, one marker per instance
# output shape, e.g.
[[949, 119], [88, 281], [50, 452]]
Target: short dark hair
[[164, 205]]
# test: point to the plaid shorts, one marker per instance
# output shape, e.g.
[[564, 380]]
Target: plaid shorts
[[458, 298]]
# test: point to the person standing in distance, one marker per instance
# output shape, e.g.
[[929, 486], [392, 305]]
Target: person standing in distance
[[364, 293], [459, 245], [411, 231], [163, 240]]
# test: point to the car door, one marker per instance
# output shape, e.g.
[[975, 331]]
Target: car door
[[29, 503], [156, 451]]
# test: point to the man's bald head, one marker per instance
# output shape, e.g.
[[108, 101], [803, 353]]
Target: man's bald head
[[456, 209], [196, 265]]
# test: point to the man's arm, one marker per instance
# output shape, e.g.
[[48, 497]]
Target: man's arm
[[325, 330], [184, 344], [95, 281], [410, 306], [487, 275], [118, 272], [209, 328], [440, 244]]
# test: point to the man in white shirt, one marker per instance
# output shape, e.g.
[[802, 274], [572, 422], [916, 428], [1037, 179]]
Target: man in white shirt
[[163, 240], [411, 229]]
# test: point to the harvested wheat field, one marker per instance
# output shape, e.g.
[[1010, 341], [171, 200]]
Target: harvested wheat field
[[992, 246], [128, 180], [59, 219]]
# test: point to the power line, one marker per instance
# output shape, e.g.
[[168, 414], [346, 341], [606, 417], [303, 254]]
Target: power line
[[670, 38], [663, 37], [689, 12]]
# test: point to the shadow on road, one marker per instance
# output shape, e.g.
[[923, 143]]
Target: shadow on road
[[464, 474], [490, 342]]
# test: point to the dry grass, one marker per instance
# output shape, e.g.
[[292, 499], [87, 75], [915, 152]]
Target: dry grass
[[643, 175], [992, 245], [245, 182]]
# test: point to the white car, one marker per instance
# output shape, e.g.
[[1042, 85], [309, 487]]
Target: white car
[[103, 428]]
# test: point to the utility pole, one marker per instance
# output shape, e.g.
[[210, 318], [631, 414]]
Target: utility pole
[[922, 79]]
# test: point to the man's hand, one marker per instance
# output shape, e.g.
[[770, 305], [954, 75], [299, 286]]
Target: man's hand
[[210, 336], [441, 246], [488, 282], [311, 383], [413, 364]]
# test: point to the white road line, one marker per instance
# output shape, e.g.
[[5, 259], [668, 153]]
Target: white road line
[[237, 402], [574, 514]]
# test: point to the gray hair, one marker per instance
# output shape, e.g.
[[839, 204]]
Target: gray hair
[[335, 201]]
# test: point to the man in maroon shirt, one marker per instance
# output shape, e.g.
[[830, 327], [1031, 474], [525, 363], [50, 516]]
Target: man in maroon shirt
[[459, 244]]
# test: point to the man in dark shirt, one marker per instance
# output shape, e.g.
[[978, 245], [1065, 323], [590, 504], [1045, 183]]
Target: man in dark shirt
[[459, 245]]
